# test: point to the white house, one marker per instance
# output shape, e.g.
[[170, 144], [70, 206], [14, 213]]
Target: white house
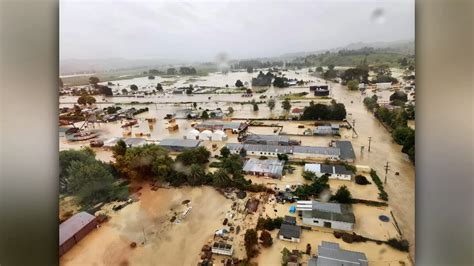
[[334, 171], [330, 215]]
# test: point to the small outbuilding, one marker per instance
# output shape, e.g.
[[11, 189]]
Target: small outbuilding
[[192, 134], [205, 135], [271, 168], [219, 135], [74, 229], [289, 232]]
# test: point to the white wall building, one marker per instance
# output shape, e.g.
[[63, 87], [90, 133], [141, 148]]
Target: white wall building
[[192, 134], [335, 171]]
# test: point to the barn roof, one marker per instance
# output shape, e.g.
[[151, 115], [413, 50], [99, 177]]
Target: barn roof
[[73, 225]]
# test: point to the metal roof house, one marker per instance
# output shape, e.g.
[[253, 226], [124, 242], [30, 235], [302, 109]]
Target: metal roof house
[[235, 127], [179, 144], [74, 229], [300, 152], [222, 248], [334, 171], [289, 232], [135, 142], [332, 129], [271, 168], [330, 254], [320, 90], [267, 139], [331, 215], [346, 149]]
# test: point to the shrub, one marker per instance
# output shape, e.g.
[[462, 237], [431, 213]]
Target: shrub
[[361, 180], [401, 245]]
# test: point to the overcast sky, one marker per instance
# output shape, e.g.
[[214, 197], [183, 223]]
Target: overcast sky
[[199, 30]]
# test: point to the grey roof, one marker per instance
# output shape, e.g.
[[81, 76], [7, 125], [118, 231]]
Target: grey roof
[[317, 150], [330, 211], [73, 225], [347, 151], [289, 230], [134, 141], [231, 125], [260, 147], [331, 254], [267, 138], [185, 143], [284, 149], [335, 169], [273, 167]]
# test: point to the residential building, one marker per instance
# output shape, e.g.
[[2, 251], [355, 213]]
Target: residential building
[[135, 142], [179, 144], [295, 152], [331, 215], [222, 248], [234, 127], [270, 168], [267, 139], [289, 232], [320, 90], [334, 171], [330, 253]]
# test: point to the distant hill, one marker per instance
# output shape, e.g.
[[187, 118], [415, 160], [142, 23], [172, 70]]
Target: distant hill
[[76, 66], [406, 47]]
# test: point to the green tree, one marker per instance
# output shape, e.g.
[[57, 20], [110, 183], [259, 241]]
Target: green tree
[[249, 70], [286, 105], [233, 165], [119, 149], [255, 106], [353, 85], [159, 87], [94, 80], [230, 110], [271, 104], [319, 69], [221, 179], [124, 91], [308, 175], [251, 242], [85, 155], [86, 99], [198, 155], [239, 83], [134, 87], [196, 175], [343, 195], [171, 71], [194, 105], [91, 183], [225, 152], [204, 115], [266, 238]]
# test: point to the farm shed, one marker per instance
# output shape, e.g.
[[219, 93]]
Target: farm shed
[[74, 229]]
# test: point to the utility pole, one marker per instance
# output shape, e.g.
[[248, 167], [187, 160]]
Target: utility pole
[[386, 167], [370, 139], [353, 127]]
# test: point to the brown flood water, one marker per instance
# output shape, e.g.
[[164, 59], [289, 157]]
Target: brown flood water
[[400, 188]]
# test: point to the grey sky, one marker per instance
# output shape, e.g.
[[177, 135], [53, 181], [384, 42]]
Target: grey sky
[[199, 30]]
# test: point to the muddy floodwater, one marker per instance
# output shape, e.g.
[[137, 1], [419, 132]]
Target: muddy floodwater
[[400, 187]]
